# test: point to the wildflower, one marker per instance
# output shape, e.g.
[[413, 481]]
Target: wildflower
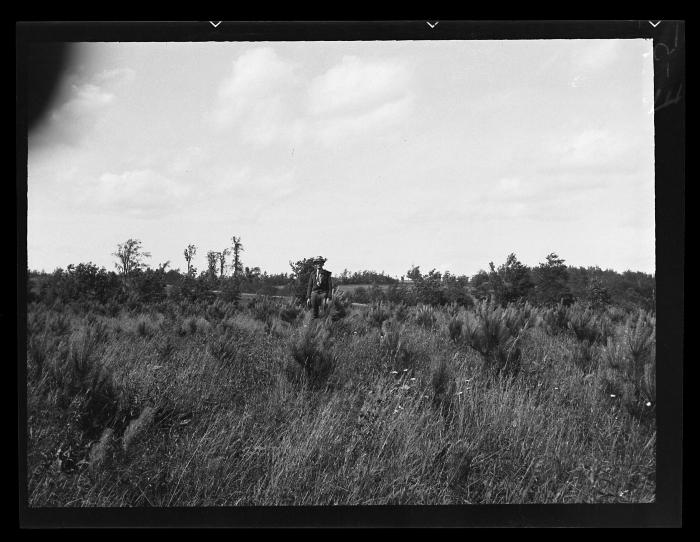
[[395, 411], [648, 403], [412, 379], [556, 388], [393, 372], [400, 407], [612, 395], [459, 393], [405, 370]]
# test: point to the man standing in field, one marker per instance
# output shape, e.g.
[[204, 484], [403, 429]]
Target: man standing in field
[[320, 286]]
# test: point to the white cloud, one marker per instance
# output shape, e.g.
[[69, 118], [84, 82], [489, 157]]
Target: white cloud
[[330, 131], [115, 75], [258, 80], [356, 85], [143, 193], [592, 150], [187, 160], [85, 99]]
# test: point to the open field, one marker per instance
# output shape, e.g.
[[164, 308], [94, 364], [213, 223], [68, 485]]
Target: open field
[[185, 404]]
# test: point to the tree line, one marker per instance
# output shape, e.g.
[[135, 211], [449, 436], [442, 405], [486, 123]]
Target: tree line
[[134, 281]]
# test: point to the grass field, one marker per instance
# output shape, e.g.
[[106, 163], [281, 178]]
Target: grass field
[[213, 404]]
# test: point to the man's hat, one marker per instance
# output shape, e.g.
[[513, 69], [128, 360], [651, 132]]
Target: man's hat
[[319, 259]]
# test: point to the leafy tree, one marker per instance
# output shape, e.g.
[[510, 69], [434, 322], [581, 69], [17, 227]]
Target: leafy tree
[[253, 274], [597, 293], [222, 260], [511, 281], [190, 252], [414, 273], [481, 285], [237, 249], [130, 257], [212, 260], [457, 289], [551, 281], [301, 270]]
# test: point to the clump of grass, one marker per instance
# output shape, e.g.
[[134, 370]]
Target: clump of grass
[[452, 309], [218, 310], [223, 348], [442, 380], [496, 333], [263, 308], [454, 328], [377, 314], [338, 306], [401, 312], [36, 348], [144, 327], [586, 325], [137, 428], [630, 366], [390, 336], [555, 319], [425, 316], [313, 353], [165, 348], [101, 452], [290, 312], [584, 356], [193, 325], [59, 324]]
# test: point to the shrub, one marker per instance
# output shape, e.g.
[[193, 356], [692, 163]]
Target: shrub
[[401, 312], [584, 356], [36, 349], [390, 337], [137, 428], [101, 451], [587, 325], [630, 366], [496, 334], [165, 349], [338, 306], [59, 324], [312, 351], [442, 380], [454, 328], [425, 317], [218, 310], [290, 312], [193, 325], [377, 314], [144, 327], [263, 308], [555, 319]]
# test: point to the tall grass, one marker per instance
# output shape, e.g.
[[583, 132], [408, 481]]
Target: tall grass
[[447, 406]]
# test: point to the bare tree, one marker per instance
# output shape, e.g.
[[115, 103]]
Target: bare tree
[[212, 258], [130, 256], [222, 260], [237, 249], [190, 251]]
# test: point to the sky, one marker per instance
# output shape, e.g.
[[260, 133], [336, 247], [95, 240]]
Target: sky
[[376, 155]]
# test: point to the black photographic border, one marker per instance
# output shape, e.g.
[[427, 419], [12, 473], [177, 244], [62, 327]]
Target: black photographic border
[[669, 42]]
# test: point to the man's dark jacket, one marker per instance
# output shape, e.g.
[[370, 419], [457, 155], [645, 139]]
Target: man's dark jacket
[[322, 284]]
